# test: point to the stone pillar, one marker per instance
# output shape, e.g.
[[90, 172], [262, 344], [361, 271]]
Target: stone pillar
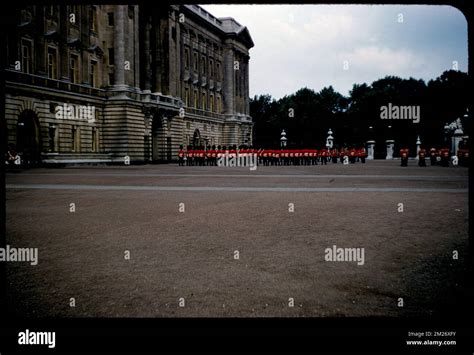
[[39, 48], [370, 150], [63, 48], [456, 139], [390, 145], [147, 54], [85, 41], [228, 82], [418, 147], [136, 46], [246, 91], [119, 46]]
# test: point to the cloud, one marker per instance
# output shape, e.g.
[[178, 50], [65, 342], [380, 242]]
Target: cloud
[[386, 60], [305, 45]]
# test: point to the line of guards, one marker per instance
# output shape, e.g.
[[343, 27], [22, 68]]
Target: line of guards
[[267, 157], [440, 157]]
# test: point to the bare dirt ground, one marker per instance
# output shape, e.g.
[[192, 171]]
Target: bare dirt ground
[[191, 254]]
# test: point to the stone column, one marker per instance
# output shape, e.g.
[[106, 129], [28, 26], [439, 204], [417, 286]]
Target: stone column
[[39, 48], [85, 41], [147, 54], [370, 150], [63, 48], [136, 45], [456, 139], [390, 145], [246, 91], [119, 46], [418, 147], [228, 80]]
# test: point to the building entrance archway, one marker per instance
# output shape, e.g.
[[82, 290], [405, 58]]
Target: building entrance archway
[[28, 138]]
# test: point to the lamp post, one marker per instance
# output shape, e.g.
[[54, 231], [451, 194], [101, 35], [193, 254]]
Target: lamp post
[[329, 140], [447, 129], [370, 145], [283, 139], [418, 147], [390, 143]]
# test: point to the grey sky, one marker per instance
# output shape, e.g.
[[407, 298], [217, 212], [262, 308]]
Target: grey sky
[[307, 45]]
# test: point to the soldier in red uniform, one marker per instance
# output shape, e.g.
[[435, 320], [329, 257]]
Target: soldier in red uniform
[[333, 154], [324, 155], [352, 156], [433, 155], [463, 157], [189, 157], [298, 156], [362, 155], [305, 156], [404, 156], [181, 154], [421, 157], [265, 157], [341, 155], [276, 157], [444, 153], [291, 155]]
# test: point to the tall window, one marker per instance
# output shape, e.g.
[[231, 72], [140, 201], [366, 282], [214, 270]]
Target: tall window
[[95, 139], [211, 103], [195, 61], [26, 59], [111, 56], [74, 68], [218, 71], [74, 10], [186, 97], [203, 65], [203, 101], [76, 139], [219, 104], [195, 99], [211, 68], [186, 58], [51, 10], [110, 18], [236, 80], [131, 10], [52, 63], [93, 18], [93, 74], [52, 137]]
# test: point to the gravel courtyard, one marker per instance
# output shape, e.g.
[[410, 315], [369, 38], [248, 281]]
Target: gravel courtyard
[[226, 242]]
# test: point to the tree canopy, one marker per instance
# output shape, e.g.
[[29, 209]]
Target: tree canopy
[[307, 115]]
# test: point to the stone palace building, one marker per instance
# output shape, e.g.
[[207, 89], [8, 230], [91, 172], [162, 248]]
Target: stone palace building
[[86, 84]]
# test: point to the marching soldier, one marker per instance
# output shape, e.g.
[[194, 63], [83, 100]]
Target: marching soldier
[[324, 154], [181, 156], [444, 153], [404, 156], [334, 156], [305, 157], [190, 157], [362, 155], [463, 157], [421, 157], [291, 155], [315, 156], [264, 157], [433, 155], [352, 156]]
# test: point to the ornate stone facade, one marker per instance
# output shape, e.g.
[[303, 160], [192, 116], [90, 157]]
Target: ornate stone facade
[[157, 78]]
